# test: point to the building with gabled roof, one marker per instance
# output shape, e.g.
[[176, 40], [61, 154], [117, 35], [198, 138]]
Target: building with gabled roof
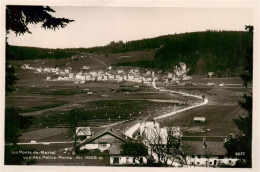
[[207, 153], [104, 140]]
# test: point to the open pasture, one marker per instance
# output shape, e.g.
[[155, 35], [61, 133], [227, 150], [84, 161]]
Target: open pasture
[[219, 113]]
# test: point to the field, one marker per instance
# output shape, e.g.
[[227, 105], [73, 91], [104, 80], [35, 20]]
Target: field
[[120, 104], [219, 112]]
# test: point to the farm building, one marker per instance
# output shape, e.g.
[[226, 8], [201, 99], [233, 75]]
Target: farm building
[[207, 153], [199, 119], [107, 139], [111, 140]]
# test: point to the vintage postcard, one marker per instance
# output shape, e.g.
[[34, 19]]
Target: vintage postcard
[[112, 84]]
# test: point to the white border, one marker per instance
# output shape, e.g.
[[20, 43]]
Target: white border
[[136, 3]]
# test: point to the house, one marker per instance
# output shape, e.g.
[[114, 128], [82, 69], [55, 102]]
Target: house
[[85, 67], [130, 77], [148, 72], [57, 69], [152, 73], [134, 70], [25, 66], [71, 75], [93, 72], [88, 77], [112, 77], [83, 132], [60, 78], [111, 140], [90, 93], [67, 70], [170, 75], [80, 77], [100, 71], [120, 71], [39, 69], [117, 159], [99, 78], [107, 139], [105, 77], [210, 74], [150, 130], [199, 119], [207, 153]]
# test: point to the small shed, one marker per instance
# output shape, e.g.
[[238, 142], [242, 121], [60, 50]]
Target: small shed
[[199, 119]]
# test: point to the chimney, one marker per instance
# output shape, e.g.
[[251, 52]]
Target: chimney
[[204, 143]]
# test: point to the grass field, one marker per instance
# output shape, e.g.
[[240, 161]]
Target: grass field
[[219, 113]]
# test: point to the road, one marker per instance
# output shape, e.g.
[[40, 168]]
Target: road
[[131, 130]]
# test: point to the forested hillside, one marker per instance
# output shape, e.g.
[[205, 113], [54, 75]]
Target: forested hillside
[[222, 52]]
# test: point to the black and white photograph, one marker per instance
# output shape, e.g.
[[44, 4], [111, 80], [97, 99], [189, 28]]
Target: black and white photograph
[[128, 86]]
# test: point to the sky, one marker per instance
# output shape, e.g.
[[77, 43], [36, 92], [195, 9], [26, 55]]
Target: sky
[[98, 26]]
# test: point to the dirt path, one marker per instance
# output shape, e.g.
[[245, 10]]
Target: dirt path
[[98, 60]]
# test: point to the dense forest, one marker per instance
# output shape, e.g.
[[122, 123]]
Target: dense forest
[[220, 51]]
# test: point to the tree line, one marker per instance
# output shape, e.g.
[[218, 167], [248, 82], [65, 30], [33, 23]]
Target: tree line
[[222, 52]]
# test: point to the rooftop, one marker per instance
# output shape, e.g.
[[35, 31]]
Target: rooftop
[[108, 130], [212, 148]]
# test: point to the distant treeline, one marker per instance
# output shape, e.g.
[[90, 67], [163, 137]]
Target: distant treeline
[[222, 52]]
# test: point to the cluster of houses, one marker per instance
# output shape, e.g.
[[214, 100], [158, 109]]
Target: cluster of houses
[[201, 153], [112, 74], [86, 74]]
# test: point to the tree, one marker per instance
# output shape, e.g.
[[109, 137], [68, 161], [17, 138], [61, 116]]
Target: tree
[[73, 121], [17, 20], [241, 145], [247, 75], [14, 124], [135, 150], [165, 147]]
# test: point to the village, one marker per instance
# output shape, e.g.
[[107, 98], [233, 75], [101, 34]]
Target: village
[[112, 74], [167, 146]]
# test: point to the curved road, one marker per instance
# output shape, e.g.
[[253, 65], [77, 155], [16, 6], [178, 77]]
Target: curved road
[[130, 131]]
